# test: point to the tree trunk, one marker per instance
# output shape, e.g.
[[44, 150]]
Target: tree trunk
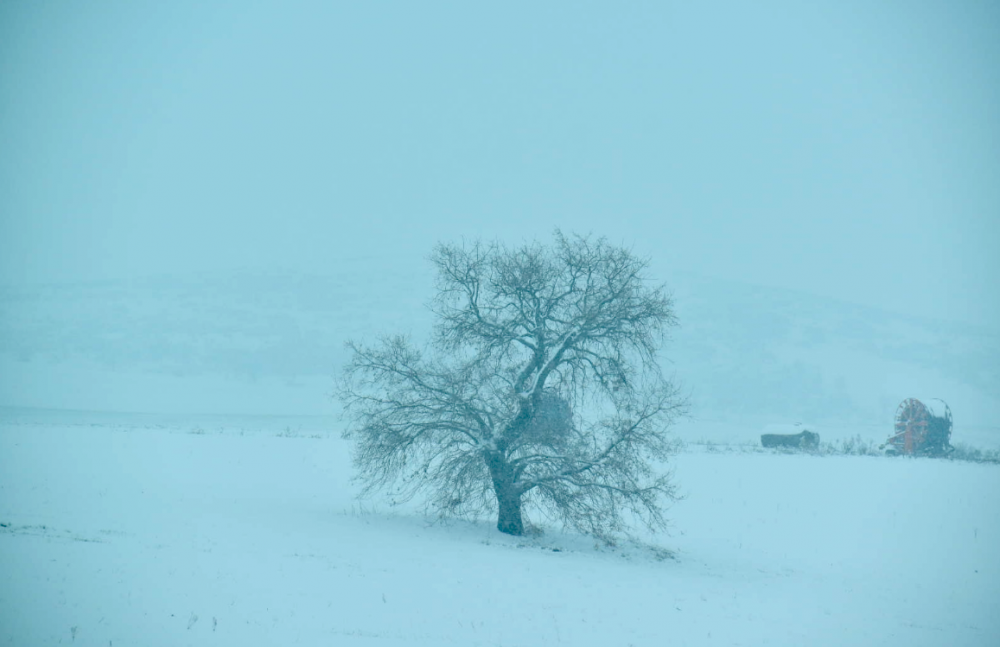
[[509, 520]]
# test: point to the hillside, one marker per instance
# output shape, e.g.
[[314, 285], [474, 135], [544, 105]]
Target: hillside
[[271, 343]]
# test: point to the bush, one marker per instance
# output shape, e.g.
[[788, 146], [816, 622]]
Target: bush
[[965, 452], [853, 446]]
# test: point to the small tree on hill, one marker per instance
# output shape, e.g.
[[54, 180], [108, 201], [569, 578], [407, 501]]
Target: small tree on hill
[[544, 390]]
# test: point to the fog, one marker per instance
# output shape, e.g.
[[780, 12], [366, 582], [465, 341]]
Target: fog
[[201, 201], [846, 149]]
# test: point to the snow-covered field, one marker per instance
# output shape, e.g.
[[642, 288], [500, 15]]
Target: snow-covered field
[[229, 517], [137, 530]]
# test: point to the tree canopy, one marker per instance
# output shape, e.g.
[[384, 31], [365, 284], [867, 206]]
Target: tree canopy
[[541, 388]]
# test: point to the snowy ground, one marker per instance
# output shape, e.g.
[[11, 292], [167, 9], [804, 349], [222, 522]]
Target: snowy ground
[[243, 529], [140, 530]]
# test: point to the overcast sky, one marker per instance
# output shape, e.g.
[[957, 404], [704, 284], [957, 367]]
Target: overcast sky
[[850, 149]]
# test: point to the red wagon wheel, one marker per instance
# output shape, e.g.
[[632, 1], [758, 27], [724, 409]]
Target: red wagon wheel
[[912, 420]]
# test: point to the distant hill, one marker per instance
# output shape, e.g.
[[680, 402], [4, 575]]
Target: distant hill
[[252, 342], [750, 350]]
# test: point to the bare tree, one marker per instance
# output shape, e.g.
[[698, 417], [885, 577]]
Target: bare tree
[[544, 391]]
